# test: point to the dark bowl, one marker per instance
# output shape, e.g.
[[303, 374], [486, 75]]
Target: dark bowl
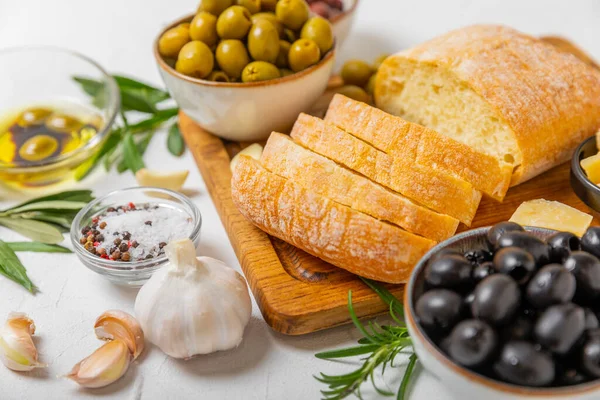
[[586, 190]]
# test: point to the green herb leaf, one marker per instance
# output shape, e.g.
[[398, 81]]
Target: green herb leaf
[[131, 154], [70, 195], [37, 247], [63, 220], [348, 352], [90, 86], [142, 146], [12, 268], [412, 360], [155, 121], [175, 142], [134, 102], [150, 93], [48, 205], [35, 230]]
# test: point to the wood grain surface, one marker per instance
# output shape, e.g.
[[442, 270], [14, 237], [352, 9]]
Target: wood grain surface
[[298, 293]]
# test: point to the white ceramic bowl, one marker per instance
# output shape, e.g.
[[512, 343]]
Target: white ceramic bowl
[[246, 111], [463, 383], [343, 22]]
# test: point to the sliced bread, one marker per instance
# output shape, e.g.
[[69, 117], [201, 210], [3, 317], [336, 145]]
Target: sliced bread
[[326, 178], [333, 232], [407, 140], [433, 188], [497, 90]]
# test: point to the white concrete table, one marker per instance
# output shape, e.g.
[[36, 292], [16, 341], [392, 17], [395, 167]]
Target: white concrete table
[[118, 34]]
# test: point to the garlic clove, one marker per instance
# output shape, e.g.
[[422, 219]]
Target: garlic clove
[[254, 150], [105, 366], [17, 350], [169, 180], [116, 324]]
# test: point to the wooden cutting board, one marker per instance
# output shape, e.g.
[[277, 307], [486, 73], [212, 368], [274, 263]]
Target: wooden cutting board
[[298, 293]]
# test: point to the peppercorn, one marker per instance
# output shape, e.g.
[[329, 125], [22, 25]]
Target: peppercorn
[[125, 256], [126, 235], [111, 209], [85, 230], [134, 244], [102, 225], [161, 245], [148, 223], [83, 240], [115, 255], [149, 256], [94, 225], [100, 238], [89, 246], [117, 241], [101, 251], [123, 247]]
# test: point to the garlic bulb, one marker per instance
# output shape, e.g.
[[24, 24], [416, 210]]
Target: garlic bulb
[[193, 305], [17, 349]]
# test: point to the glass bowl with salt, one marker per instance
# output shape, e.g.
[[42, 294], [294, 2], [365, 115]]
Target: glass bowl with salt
[[122, 235]]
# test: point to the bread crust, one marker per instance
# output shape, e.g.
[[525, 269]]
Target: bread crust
[[335, 233], [284, 157], [550, 99], [437, 190], [407, 140]]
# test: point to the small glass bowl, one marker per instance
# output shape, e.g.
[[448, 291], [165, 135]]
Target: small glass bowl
[[35, 76], [134, 273]]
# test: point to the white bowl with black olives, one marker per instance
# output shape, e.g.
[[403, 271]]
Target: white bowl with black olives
[[510, 313]]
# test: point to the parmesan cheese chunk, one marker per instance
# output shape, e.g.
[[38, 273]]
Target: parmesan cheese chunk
[[591, 166], [552, 215]]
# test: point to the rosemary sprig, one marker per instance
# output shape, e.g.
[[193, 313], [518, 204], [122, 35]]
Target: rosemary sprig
[[381, 344]]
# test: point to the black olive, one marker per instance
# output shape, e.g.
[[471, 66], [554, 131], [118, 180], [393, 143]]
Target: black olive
[[469, 300], [477, 257], [561, 244], [526, 241], [520, 328], [590, 241], [569, 375], [446, 252], [483, 271], [590, 357], [439, 309], [472, 343], [591, 320], [586, 269], [552, 284], [559, 327], [450, 272], [521, 363], [497, 298], [517, 263], [499, 229]]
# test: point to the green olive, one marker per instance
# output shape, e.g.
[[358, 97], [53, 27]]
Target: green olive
[[63, 123], [289, 35], [272, 18], [218, 76], [293, 13], [268, 5], [379, 60], [303, 54], [33, 116], [319, 30], [195, 60], [356, 72], [263, 41], [284, 51], [204, 28], [260, 71], [234, 23], [215, 7], [171, 42], [232, 57], [370, 88], [285, 72], [38, 148], [252, 5], [354, 92]]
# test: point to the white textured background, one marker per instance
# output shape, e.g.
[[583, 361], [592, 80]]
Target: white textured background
[[118, 34]]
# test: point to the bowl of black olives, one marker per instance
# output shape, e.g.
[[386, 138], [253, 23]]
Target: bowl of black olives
[[510, 312]]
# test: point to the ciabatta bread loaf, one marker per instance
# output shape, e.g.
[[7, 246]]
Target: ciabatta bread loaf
[[433, 188], [333, 232], [326, 178], [410, 141], [497, 90]]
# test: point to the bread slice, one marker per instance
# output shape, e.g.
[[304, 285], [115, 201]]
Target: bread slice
[[333, 232], [401, 138], [498, 91], [326, 178], [434, 189]]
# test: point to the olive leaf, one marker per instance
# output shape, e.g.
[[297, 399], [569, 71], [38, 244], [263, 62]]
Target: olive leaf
[[150, 93], [12, 268], [109, 144], [175, 142], [37, 247], [69, 195], [47, 205], [131, 154], [141, 145], [35, 230]]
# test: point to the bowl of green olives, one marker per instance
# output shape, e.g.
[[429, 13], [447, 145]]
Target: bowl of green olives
[[509, 312], [242, 69]]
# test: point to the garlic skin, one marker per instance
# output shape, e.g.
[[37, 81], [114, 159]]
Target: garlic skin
[[105, 366], [17, 349], [193, 305]]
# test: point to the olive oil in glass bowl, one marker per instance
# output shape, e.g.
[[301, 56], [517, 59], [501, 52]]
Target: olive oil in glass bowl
[[48, 125]]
